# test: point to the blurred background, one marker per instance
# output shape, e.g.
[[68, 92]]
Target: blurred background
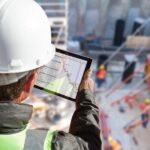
[[116, 35]]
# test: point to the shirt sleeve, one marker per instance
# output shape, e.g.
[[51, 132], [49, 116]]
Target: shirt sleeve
[[84, 133], [85, 120]]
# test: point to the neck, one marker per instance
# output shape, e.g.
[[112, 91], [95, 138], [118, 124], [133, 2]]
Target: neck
[[22, 96]]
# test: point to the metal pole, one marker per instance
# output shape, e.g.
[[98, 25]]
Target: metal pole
[[115, 87], [139, 84], [121, 84], [133, 89], [124, 44], [148, 108], [135, 94]]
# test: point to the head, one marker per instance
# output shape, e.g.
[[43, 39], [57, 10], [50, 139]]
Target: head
[[19, 90], [25, 51]]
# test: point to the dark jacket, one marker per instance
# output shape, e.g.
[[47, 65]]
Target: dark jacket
[[84, 133]]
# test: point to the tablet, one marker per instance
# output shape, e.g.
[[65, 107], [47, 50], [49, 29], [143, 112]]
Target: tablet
[[63, 75]]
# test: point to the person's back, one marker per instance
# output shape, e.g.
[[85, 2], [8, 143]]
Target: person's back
[[25, 46], [83, 134]]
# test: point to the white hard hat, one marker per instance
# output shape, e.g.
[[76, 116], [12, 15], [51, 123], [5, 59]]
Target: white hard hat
[[25, 37], [9, 78]]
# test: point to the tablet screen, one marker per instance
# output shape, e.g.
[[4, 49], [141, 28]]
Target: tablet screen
[[63, 75]]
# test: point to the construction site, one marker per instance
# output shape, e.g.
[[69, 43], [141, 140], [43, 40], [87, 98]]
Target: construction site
[[116, 35]]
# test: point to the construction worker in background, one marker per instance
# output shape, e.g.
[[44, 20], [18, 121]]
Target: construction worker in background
[[115, 145], [147, 72], [145, 116], [100, 75], [25, 46]]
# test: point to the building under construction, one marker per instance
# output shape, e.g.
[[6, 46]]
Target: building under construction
[[116, 35]]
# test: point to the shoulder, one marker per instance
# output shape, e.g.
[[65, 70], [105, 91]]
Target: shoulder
[[63, 140]]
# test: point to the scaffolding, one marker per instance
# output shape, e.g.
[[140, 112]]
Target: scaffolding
[[57, 12]]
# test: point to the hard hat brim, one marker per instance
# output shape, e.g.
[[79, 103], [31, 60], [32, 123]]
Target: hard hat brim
[[46, 59]]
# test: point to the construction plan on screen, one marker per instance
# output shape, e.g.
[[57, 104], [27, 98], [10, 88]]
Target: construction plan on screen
[[63, 75]]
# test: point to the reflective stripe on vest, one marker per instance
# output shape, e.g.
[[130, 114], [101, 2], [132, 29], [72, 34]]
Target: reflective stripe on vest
[[21, 141], [13, 141], [48, 140]]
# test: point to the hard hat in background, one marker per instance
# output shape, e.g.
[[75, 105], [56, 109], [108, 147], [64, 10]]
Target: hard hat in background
[[25, 37], [101, 67], [110, 139], [147, 101]]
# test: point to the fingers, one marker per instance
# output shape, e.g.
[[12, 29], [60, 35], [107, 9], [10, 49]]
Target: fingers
[[87, 82], [88, 74]]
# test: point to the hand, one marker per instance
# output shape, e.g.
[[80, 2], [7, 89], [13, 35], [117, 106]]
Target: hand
[[87, 82]]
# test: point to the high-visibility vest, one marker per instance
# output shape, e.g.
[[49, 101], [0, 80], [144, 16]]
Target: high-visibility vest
[[147, 68], [101, 74], [19, 141]]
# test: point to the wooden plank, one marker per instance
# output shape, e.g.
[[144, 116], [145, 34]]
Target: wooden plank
[[138, 42]]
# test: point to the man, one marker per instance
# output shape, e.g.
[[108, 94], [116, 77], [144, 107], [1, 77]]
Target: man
[[101, 75], [147, 71], [24, 48]]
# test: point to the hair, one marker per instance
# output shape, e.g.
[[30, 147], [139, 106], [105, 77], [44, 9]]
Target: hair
[[13, 91]]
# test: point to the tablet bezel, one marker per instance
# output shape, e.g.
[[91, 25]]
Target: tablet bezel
[[88, 65]]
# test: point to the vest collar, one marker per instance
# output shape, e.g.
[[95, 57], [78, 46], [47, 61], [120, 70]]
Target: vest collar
[[14, 117]]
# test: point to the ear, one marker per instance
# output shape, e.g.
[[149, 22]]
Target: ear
[[27, 87], [30, 82]]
